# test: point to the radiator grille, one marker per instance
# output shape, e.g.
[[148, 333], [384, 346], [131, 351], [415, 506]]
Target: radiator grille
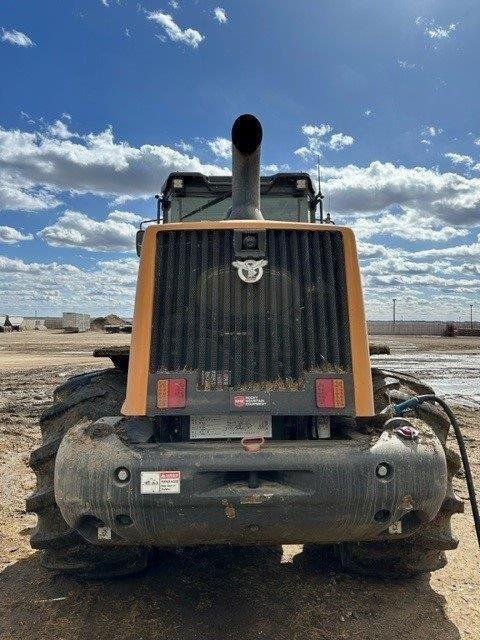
[[261, 335]]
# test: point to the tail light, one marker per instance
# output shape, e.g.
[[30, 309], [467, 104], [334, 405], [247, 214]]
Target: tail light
[[171, 393], [330, 393]]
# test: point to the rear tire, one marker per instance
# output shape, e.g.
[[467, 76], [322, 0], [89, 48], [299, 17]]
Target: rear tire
[[399, 559], [424, 551], [81, 399]]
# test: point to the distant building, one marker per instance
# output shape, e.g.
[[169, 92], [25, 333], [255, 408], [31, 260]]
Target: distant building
[[76, 322]]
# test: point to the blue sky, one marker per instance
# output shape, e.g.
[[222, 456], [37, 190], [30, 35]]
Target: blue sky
[[102, 98]]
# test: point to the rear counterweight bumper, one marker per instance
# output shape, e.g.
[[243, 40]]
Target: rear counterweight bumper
[[317, 491]]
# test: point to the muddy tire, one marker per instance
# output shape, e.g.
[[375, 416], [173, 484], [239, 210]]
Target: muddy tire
[[424, 551], [81, 399]]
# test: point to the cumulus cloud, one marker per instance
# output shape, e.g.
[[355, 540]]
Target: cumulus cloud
[[221, 147], [450, 197], [340, 141], [35, 167], [17, 38], [190, 37], [318, 138], [316, 131], [109, 286], [9, 235], [76, 229], [408, 225], [220, 15]]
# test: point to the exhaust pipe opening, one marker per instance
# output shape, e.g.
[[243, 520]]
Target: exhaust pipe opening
[[246, 148], [247, 134]]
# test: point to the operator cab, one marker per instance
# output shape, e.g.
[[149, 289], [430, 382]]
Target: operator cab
[[193, 197]]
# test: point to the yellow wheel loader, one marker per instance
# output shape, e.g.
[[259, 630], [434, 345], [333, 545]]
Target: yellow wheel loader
[[246, 411]]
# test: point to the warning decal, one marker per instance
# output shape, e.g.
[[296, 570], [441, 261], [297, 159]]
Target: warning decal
[[160, 482]]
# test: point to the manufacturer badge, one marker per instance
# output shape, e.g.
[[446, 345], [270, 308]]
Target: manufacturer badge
[[250, 271], [259, 401], [239, 401]]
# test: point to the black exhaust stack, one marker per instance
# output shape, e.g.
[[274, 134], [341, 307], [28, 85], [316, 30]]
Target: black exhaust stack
[[246, 146]]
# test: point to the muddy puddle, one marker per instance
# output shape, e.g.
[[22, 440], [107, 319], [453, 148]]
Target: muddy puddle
[[454, 376]]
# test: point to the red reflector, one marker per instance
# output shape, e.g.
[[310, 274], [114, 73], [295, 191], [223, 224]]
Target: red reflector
[[171, 393], [330, 393]]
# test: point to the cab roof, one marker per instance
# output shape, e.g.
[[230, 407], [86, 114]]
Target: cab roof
[[217, 185]]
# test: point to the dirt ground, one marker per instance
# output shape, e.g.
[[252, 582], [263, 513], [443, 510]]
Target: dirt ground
[[216, 593]]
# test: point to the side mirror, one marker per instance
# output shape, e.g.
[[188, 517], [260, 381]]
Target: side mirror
[[139, 241]]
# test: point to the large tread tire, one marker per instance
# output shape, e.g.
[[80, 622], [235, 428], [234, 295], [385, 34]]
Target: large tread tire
[[424, 551], [81, 399]]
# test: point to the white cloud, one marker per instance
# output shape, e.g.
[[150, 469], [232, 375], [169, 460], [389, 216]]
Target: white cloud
[[9, 235], [16, 37], [340, 141], [221, 147], [184, 146], [406, 65], [17, 194], [59, 130], [109, 286], [431, 131], [441, 33], [190, 37], [220, 15], [458, 158], [367, 112], [316, 131], [174, 4], [76, 229], [317, 139], [306, 153], [477, 141], [369, 250], [35, 167], [450, 197], [459, 252], [435, 31], [408, 225], [270, 168]]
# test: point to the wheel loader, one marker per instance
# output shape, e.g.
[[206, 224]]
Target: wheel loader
[[246, 411]]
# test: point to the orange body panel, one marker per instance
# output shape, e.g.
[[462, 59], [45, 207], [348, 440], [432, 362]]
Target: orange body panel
[[138, 372]]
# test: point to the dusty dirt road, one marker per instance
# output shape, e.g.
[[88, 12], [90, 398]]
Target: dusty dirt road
[[216, 593]]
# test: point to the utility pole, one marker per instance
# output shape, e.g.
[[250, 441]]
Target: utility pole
[[471, 316], [394, 316]]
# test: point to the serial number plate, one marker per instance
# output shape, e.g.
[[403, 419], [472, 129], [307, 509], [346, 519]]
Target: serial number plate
[[229, 426]]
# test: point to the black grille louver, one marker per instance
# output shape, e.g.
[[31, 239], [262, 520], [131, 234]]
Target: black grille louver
[[261, 335]]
